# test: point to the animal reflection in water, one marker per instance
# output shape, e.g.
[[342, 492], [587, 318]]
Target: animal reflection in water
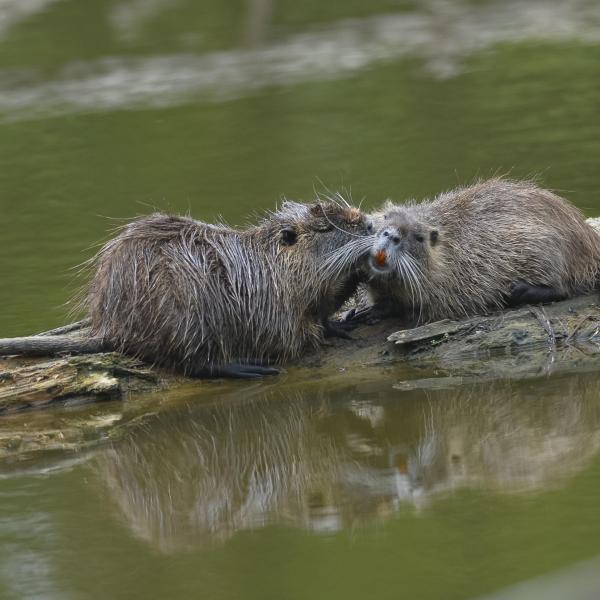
[[193, 477]]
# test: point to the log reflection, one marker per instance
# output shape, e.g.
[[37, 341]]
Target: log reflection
[[326, 461]]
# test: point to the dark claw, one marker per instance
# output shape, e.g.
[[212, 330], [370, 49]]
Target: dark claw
[[368, 314], [336, 329], [247, 371], [518, 289], [243, 370], [343, 325], [348, 315]]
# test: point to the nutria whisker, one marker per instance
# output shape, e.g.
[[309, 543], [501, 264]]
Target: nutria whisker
[[336, 198], [411, 278], [417, 272], [416, 276], [346, 257], [330, 196]]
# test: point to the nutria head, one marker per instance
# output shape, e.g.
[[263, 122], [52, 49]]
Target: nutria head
[[322, 250], [403, 245], [317, 229], [327, 239]]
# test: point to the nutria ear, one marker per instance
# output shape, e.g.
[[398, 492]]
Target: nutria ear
[[292, 206], [433, 236], [288, 236], [320, 221]]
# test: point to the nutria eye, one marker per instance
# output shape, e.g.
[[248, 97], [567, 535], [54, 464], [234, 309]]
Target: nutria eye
[[433, 236], [369, 227], [288, 236], [419, 237]]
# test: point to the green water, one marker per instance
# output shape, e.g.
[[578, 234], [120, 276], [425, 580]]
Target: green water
[[111, 108]]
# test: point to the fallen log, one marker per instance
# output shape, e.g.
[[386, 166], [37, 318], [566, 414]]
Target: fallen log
[[525, 342], [72, 380], [514, 343], [530, 342], [48, 345], [89, 389]]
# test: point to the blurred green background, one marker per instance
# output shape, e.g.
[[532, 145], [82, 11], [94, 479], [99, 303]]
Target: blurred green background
[[112, 108]]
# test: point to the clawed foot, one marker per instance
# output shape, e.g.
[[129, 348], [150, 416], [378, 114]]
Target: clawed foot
[[369, 315], [338, 329], [519, 292], [244, 370], [525, 293]]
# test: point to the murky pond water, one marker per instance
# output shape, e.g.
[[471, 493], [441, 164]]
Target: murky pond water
[[109, 108]]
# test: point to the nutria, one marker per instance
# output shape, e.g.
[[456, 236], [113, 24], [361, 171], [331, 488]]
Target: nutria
[[480, 248], [211, 300]]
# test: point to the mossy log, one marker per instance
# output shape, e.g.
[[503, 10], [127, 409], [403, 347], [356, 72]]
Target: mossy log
[[521, 343], [514, 343], [76, 374], [72, 380]]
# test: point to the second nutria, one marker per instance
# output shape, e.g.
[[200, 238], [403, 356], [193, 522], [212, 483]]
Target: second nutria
[[216, 301], [481, 248]]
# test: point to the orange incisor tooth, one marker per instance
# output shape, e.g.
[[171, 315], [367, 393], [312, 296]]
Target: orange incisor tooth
[[381, 258]]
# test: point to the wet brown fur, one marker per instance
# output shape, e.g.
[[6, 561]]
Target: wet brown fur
[[489, 236], [193, 297]]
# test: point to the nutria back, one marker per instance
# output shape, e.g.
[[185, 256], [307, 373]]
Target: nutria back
[[195, 297], [461, 253]]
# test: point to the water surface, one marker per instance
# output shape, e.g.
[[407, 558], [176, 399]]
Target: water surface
[[282, 490]]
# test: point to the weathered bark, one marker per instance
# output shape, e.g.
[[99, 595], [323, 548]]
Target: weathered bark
[[529, 342], [50, 345], [72, 380], [515, 343], [526, 342], [73, 338]]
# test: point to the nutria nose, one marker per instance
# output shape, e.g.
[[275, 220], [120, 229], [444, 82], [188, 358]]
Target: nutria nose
[[394, 237]]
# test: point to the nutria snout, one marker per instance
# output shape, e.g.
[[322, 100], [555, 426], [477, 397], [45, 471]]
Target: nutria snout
[[394, 243], [378, 261]]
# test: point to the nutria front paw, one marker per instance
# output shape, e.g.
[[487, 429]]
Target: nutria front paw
[[369, 315], [517, 290], [243, 370], [337, 329]]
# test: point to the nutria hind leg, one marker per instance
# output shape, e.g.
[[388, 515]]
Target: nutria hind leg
[[247, 369], [526, 293]]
